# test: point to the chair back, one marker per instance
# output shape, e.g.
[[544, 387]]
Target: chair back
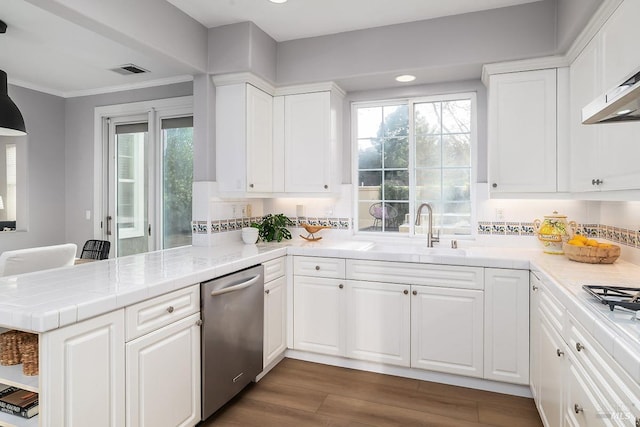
[[35, 259], [96, 249]]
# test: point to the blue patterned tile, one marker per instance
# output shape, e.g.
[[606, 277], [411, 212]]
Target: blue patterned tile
[[497, 228], [526, 229], [202, 227], [512, 228], [344, 223], [224, 225], [334, 222], [194, 227], [215, 226], [484, 227]]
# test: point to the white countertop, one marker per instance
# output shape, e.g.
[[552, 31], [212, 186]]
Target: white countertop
[[50, 299]]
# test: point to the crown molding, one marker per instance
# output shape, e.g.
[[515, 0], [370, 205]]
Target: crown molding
[[271, 89], [523, 65], [594, 25]]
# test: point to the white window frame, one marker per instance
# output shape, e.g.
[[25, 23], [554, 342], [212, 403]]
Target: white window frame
[[410, 102]]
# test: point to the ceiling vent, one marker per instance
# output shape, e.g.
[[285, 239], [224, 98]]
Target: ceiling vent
[[128, 69]]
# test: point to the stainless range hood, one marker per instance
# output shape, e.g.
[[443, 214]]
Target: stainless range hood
[[620, 104]]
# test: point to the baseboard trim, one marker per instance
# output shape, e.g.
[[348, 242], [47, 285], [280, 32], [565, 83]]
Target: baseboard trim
[[417, 374]]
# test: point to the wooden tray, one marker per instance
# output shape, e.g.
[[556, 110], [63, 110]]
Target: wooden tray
[[591, 254]]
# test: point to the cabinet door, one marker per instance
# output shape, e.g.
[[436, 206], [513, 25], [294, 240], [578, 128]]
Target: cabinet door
[[307, 143], [534, 334], [446, 330], [259, 140], [82, 371], [318, 315], [163, 376], [585, 83], [584, 406], [506, 330], [378, 322], [550, 359], [522, 132], [275, 315]]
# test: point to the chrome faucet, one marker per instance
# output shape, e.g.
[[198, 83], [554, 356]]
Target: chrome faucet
[[430, 237]]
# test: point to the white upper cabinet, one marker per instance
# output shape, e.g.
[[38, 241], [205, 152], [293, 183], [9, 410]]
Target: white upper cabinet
[[307, 126], [522, 132], [604, 156], [244, 139]]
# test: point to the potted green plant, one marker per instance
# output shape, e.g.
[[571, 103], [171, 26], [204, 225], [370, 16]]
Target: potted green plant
[[273, 227]]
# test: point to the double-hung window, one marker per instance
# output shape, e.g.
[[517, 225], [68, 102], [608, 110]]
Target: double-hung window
[[410, 152]]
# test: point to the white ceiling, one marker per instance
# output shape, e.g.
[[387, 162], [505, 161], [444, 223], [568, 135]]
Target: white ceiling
[[298, 19], [45, 52]]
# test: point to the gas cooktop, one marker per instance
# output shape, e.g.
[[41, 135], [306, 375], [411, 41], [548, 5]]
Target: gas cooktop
[[615, 296]]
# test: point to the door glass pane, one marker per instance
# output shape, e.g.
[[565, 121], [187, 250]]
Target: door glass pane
[[177, 168], [132, 189]]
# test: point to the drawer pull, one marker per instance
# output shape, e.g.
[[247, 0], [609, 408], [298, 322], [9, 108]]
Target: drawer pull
[[579, 346], [341, 286], [577, 408], [559, 352], [170, 309], [415, 292], [317, 267], [199, 322], [406, 292], [534, 287]]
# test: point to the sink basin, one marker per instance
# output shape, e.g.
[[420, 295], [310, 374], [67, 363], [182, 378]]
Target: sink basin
[[400, 248]]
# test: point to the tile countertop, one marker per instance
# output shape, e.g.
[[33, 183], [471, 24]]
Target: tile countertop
[[50, 299]]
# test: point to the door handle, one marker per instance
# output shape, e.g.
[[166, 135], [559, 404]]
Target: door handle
[[149, 230], [237, 287], [109, 218]]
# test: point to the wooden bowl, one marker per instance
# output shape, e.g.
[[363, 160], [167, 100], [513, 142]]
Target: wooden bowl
[[591, 254]]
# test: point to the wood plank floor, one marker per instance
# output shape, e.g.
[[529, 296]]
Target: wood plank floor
[[298, 393]]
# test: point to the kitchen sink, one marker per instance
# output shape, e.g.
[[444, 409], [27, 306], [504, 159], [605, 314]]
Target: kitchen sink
[[404, 248]]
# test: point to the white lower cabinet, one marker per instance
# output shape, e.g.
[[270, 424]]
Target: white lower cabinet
[[378, 322], [318, 315], [551, 365], [446, 330], [275, 320], [163, 376], [82, 368], [506, 325], [162, 355]]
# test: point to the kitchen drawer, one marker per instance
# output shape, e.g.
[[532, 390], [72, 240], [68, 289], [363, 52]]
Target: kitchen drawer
[[553, 309], [318, 267], [621, 395], [155, 313], [416, 274], [274, 269]]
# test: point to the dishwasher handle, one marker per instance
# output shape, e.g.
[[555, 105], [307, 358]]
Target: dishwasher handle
[[237, 287]]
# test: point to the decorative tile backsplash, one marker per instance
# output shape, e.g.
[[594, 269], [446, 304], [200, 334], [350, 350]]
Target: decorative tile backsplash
[[615, 234], [232, 224]]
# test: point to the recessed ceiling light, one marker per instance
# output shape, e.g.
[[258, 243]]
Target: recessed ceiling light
[[623, 112], [405, 78], [278, 1]]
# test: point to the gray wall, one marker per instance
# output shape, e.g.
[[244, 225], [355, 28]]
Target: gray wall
[[78, 116], [44, 117], [572, 16], [242, 47], [475, 38]]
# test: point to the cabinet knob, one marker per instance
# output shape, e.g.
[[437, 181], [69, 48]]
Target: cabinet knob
[[637, 422], [534, 287], [559, 352], [577, 408], [266, 291], [317, 267], [579, 346], [406, 292], [341, 286], [597, 181], [250, 185], [199, 322], [415, 292], [170, 309], [326, 186], [494, 185]]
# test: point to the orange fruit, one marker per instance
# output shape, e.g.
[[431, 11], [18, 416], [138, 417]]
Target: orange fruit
[[591, 242]]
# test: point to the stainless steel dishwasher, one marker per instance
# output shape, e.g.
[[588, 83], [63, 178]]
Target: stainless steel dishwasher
[[232, 335]]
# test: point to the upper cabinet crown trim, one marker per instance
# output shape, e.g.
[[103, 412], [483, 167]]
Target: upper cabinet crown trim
[[271, 89]]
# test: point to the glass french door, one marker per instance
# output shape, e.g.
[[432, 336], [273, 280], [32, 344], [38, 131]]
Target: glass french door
[[150, 175], [129, 209]]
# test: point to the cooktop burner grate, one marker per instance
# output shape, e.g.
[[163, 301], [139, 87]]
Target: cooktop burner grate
[[613, 296]]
